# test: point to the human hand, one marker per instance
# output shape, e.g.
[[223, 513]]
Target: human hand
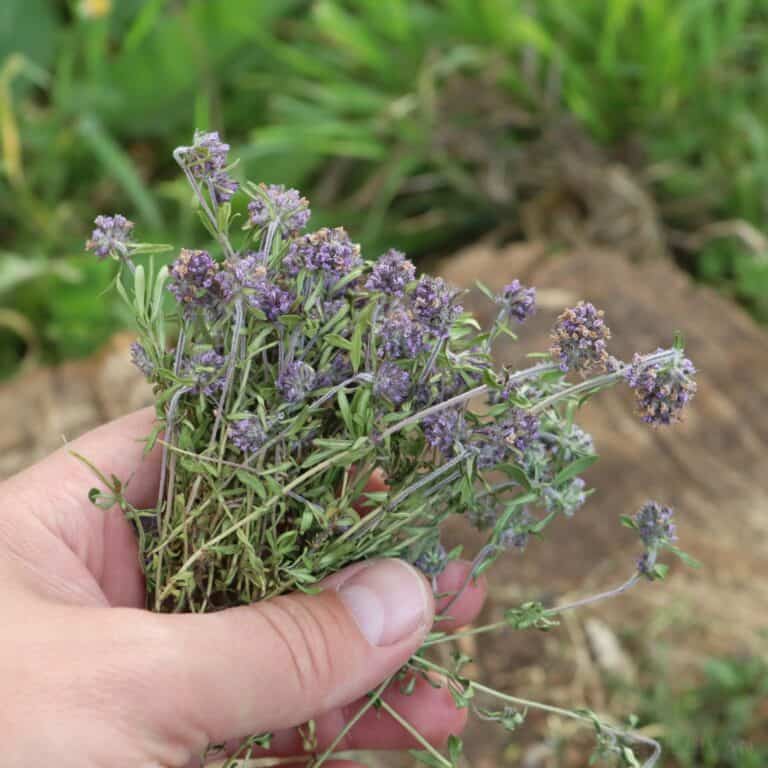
[[91, 679]]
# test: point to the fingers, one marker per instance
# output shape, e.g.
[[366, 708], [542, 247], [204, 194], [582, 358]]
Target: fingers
[[282, 662], [468, 605], [429, 710]]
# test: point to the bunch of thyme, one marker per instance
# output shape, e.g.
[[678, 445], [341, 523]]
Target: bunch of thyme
[[300, 369]]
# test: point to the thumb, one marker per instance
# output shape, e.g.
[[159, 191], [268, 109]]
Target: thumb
[[282, 662]]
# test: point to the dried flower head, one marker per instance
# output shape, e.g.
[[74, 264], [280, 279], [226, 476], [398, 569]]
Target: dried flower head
[[518, 301], [566, 499], [113, 236], [296, 381], [443, 429], [399, 336], [206, 161], [248, 434], [392, 382], [662, 389], [579, 338], [654, 523], [327, 251], [434, 303], [286, 207], [391, 274], [193, 277], [433, 560], [207, 369], [516, 534]]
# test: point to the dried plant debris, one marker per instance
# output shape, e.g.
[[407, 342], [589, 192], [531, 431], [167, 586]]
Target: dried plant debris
[[300, 369]]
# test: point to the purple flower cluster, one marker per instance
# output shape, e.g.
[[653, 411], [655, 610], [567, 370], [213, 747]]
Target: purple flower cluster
[[662, 390], [518, 301], [433, 303], [206, 161], [567, 499], [495, 442], [516, 535], [442, 429], [272, 300], [392, 382], [328, 251], [400, 337], [433, 560], [111, 237], [579, 338], [295, 381], [207, 368], [285, 206], [247, 435], [193, 277], [141, 360], [391, 274], [654, 523]]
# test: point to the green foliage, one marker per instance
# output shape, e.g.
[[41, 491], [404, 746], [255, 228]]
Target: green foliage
[[411, 121], [719, 723]]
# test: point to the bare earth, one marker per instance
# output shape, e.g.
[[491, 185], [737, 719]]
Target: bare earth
[[713, 469]]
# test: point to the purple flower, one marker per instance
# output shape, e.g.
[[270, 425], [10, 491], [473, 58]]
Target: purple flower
[[399, 336], [391, 273], [141, 360], [240, 274], [206, 161], [568, 442], [661, 389], [193, 278], [566, 500], [433, 560], [111, 237], [296, 380], [654, 523], [484, 515], [515, 536], [272, 300], [433, 303], [247, 435], [328, 251], [207, 368], [579, 338], [276, 203], [496, 441], [442, 429], [392, 383], [518, 301]]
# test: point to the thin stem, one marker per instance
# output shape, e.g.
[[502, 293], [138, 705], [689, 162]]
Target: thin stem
[[601, 381], [395, 715], [479, 687], [253, 515], [373, 698], [463, 397]]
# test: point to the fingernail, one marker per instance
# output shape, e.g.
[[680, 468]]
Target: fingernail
[[389, 600]]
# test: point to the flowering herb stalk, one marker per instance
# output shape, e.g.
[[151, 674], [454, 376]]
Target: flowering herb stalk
[[300, 368]]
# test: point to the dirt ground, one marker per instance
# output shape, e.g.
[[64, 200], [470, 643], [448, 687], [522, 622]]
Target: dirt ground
[[712, 469]]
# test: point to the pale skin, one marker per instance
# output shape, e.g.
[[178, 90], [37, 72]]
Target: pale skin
[[92, 680]]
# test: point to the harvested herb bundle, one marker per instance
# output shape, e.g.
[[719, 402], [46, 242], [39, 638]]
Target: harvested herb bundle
[[300, 370]]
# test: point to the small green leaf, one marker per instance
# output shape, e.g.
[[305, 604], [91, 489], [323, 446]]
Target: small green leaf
[[573, 469]]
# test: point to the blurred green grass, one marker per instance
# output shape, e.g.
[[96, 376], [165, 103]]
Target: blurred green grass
[[411, 121]]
